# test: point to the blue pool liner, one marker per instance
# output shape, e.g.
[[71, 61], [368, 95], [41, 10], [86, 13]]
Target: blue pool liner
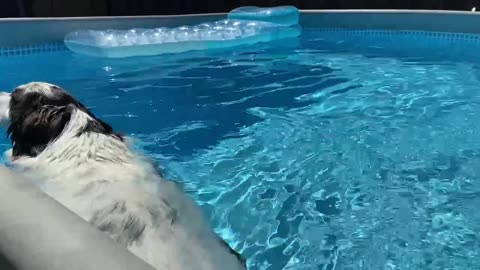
[[245, 26]]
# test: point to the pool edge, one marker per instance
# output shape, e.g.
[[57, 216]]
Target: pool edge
[[420, 20], [38, 31], [110, 17]]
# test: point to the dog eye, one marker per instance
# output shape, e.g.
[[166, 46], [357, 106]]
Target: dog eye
[[15, 95]]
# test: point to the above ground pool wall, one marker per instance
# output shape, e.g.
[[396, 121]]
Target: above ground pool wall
[[28, 31], [438, 21], [37, 233]]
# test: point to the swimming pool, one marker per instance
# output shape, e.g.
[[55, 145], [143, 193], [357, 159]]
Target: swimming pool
[[344, 149]]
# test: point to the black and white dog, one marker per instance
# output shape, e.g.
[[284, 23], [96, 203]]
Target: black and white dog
[[77, 159]]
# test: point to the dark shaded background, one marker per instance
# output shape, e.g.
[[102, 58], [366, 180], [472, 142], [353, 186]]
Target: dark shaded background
[[56, 8]]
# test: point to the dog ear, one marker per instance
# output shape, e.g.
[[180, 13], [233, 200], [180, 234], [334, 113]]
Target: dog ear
[[98, 126], [32, 135]]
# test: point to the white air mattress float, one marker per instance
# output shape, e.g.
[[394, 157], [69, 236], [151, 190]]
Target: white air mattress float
[[243, 26]]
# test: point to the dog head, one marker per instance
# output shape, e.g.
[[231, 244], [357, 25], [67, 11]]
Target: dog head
[[37, 113]]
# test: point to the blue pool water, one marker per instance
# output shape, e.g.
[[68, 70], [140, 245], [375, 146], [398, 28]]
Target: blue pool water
[[339, 150]]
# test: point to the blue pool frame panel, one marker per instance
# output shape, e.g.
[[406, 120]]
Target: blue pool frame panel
[[422, 20], [35, 31], [18, 32]]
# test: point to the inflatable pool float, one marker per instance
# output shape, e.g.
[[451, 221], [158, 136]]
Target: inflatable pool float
[[244, 26]]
